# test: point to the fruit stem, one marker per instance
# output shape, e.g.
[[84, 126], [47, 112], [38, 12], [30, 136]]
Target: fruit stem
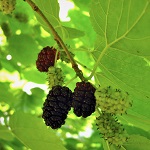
[[57, 38], [85, 67], [105, 145], [71, 80]]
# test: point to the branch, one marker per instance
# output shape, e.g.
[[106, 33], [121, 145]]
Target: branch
[[57, 38]]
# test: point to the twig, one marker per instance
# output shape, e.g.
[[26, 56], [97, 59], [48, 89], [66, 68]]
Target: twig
[[57, 38]]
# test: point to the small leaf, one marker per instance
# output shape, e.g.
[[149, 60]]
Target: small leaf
[[31, 131], [137, 142], [71, 33]]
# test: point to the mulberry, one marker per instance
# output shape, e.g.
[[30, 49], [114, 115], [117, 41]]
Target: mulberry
[[55, 76], [84, 100], [57, 106], [112, 101], [7, 6], [111, 129], [46, 58]]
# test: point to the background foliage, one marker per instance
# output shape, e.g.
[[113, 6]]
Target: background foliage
[[110, 37]]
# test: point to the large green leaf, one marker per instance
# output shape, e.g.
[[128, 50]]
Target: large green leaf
[[137, 142], [82, 22], [5, 133], [33, 132], [122, 47]]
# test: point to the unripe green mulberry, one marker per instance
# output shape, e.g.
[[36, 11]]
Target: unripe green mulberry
[[7, 6], [55, 76], [111, 129], [112, 101]]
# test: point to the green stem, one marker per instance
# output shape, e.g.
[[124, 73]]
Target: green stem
[[70, 80], [97, 63], [83, 65], [57, 38], [106, 145], [123, 148]]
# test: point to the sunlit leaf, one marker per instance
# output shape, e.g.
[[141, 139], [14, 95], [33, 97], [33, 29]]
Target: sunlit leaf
[[122, 43], [135, 142], [50, 9]]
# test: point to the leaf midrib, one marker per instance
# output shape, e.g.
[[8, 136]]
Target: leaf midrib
[[118, 39]]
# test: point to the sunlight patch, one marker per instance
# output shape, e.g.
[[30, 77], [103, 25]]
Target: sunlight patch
[[65, 6]]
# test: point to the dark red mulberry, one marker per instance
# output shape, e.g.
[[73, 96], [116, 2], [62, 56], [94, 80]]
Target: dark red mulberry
[[57, 106], [84, 100], [46, 58]]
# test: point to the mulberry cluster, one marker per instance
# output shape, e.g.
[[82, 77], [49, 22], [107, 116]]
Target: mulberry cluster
[[111, 129], [57, 106], [83, 99], [112, 101], [46, 58], [7, 6], [55, 76]]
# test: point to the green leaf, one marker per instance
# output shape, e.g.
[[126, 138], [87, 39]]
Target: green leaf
[[33, 132], [122, 47], [71, 33], [10, 65], [133, 130], [5, 93], [136, 142], [50, 9], [23, 49], [30, 103], [32, 74], [82, 22], [5, 133], [136, 120]]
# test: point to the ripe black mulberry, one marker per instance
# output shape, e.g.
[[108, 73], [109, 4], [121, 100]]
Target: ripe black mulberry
[[57, 106], [46, 58], [84, 100]]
